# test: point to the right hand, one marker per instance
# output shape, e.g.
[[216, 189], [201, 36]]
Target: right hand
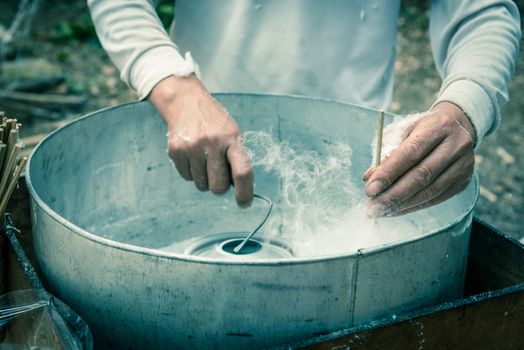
[[203, 139], [434, 162]]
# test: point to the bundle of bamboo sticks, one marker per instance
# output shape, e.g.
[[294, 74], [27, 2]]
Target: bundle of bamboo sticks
[[10, 166]]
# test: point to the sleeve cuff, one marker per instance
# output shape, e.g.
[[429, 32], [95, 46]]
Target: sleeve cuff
[[157, 64], [475, 102]]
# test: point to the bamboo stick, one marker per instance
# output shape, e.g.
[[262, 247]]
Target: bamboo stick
[[3, 126], [11, 142], [12, 184], [12, 137], [378, 151], [8, 168], [11, 123], [4, 133], [3, 149]]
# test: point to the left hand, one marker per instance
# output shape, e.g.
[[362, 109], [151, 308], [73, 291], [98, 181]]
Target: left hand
[[434, 162]]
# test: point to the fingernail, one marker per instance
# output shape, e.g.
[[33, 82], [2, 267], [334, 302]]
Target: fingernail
[[368, 173], [375, 188], [376, 210], [244, 205]]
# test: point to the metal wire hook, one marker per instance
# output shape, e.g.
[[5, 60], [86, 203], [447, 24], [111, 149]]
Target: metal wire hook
[[239, 247]]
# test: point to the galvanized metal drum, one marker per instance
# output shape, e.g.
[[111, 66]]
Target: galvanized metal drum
[[105, 197]]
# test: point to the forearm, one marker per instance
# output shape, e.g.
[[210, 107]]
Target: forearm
[[475, 45], [132, 34]]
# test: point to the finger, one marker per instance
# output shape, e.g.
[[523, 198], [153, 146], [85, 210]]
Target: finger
[[411, 151], [372, 169], [459, 173], [217, 171], [368, 173], [241, 173], [408, 130], [177, 153], [421, 176], [197, 162], [447, 194]]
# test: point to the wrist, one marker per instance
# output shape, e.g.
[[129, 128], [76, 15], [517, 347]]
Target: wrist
[[169, 92], [459, 115]]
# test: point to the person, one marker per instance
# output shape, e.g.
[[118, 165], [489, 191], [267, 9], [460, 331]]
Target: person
[[342, 50]]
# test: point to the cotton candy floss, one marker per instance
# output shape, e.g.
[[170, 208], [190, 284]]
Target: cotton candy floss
[[395, 133], [320, 209]]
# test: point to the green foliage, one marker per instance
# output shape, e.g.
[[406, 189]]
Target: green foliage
[[81, 28], [63, 55], [166, 12]]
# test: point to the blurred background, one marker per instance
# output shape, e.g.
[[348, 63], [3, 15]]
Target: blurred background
[[56, 71]]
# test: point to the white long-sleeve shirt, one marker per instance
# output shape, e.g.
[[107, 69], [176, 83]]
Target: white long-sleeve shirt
[[338, 49]]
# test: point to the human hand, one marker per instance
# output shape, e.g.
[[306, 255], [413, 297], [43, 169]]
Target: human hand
[[203, 139], [434, 162]]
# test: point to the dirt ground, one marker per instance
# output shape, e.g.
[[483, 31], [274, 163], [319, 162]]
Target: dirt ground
[[63, 34]]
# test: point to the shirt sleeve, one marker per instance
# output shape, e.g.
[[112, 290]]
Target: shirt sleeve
[[475, 45], [133, 36]]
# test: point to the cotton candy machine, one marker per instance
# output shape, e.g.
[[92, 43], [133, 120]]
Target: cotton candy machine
[[146, 259]]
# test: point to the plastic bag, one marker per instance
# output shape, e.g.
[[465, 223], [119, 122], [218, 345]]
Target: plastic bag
[[34, 319]]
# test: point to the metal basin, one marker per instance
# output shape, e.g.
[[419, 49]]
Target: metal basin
[[105, 196]]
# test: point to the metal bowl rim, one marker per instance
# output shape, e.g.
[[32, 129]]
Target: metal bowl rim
[[195, 259]]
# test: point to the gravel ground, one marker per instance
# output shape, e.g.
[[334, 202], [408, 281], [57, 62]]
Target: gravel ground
[[64, 36]]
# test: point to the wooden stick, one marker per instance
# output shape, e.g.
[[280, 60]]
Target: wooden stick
[[3, 149], [8, 168], [8, 123], [7, 129], [11, 141], [378, 152], [11, 124], [12, 185], [12, 138]]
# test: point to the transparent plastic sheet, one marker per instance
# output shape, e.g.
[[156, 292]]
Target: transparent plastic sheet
[[33, 319]]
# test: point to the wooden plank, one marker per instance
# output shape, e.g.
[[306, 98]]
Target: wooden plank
[[495, 260], [494, 322], [47, 100], [491, 317]]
